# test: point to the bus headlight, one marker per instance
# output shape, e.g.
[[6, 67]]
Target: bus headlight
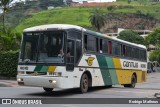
[[19, 79], [53, 81]]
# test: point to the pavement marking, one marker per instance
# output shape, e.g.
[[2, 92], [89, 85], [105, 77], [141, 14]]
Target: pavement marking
[[134, 91], [68, 105]]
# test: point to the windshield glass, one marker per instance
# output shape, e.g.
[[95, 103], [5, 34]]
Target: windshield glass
[[45, 47]]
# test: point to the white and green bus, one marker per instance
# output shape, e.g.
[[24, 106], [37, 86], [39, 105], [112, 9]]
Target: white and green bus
[[68, 56]]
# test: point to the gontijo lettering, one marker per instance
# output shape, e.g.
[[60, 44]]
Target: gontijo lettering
[[130, 64]]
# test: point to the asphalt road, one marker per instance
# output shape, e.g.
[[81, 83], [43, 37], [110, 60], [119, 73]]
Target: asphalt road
[[142, 90]]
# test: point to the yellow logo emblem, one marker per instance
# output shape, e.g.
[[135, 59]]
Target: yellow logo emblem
[[90, 61]]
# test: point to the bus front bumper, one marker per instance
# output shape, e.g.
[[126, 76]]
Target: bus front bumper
[[41, 81]]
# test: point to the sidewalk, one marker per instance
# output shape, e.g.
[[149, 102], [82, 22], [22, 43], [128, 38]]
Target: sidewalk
[[8, 83]]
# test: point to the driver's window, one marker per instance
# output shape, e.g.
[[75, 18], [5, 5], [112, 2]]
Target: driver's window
[[70, 51]]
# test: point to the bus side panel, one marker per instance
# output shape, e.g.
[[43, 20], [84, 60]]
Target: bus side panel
[[107, 70], [124, 75], [104, 71], [112, 71], [127, 75], [141, 76], [120, 73], [86, 64]]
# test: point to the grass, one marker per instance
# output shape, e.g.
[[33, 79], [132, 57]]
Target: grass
[[79, 15]]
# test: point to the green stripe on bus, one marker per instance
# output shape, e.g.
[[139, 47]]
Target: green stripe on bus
[[44, 69], [105, 72], [112, 72], [38, 68]]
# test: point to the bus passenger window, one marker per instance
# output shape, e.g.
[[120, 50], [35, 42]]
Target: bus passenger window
[[128, 51], [85, 42], [105, 46], [109, 47], [100, 50], [91, 44], [124, 50], [116, 49], [137, 54], [97, 45]]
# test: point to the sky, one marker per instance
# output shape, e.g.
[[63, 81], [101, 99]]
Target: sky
[[17, 1], [73, 0], [12, 2]]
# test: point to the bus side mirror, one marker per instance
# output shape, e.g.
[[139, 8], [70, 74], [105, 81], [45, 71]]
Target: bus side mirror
[[69, 67]]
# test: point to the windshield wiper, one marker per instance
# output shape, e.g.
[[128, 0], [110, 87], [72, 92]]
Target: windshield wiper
[[26, 61]]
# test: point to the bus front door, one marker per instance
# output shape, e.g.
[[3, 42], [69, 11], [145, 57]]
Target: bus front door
[[70, 52]]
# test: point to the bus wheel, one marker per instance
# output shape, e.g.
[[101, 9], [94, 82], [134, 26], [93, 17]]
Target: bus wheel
[[84, 83], [133, 82], [47, 89]]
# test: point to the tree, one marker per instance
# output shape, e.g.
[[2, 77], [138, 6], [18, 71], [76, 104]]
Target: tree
[[111, 8], [68, 2], [9, 39], [154, 37], [5, 6], [97, 18], [154, 55], [44, 4], [131, 36], [129, 1], [142, 2]]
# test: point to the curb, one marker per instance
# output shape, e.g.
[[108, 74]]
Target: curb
[[8, 83], [7, 78]]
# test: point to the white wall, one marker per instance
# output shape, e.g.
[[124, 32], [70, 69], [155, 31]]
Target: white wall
[[89, 1], [101, 0]]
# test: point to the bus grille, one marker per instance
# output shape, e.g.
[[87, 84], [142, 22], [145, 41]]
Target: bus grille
[[36, 73]]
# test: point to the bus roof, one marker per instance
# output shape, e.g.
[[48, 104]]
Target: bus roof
[[68, 26], [52, 26]]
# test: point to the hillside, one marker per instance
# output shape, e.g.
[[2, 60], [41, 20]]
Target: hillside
[[20, 10], [78, 16], [134, 17]]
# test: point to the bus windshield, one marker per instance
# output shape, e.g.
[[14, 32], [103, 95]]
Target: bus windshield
[[43, 47]]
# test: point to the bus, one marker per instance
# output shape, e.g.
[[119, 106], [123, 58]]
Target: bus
[[68, 56]]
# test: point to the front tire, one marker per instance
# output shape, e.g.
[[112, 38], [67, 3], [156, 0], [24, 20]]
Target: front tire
[[47, 89], [84, 84], [133, 82]]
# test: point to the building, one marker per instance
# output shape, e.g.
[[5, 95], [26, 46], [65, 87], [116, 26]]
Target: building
[[89, 1], [98, 1], [155, 0], [142, 33]]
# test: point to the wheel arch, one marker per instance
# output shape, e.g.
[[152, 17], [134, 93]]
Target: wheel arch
[[89, 77], [135, 76]]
